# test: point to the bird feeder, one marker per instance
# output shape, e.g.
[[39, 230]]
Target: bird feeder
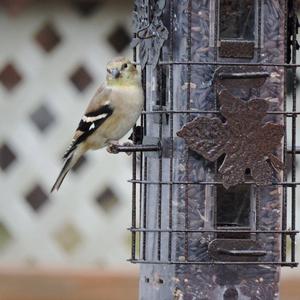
[[214, 175]]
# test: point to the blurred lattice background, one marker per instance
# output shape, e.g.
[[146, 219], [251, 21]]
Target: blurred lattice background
[[52, 58]]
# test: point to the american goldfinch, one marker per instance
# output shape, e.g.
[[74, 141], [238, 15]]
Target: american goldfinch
[[111, 113]]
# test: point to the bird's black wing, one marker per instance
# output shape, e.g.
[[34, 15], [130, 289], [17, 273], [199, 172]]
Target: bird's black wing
[[89, 123]]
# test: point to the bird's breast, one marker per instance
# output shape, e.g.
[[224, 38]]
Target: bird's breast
[[127, 103]]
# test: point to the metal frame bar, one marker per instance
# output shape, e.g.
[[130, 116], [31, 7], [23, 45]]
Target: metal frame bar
[[160, 161], [294, 108], [218, 63], [210, 263], [289, 184], [171, 124], [286, 232], [284, 196], [144, 164], [188, 107], [287, 113], [133, 203]]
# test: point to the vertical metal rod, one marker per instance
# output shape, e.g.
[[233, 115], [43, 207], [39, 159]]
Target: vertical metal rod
[[159, 207], [259, 33], [133, 216], [284, 195], [171, 124], [188, 106], [257, 207], [141, 166], [144, 83], [255, 224], [259, 38], [145, 177], [141, 191], [133, 219], [293, 206], [216, 38]]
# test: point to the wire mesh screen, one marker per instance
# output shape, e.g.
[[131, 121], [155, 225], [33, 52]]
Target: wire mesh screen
[[214, 165]]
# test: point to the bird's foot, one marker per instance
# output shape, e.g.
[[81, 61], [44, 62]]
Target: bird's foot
[[113, 147]]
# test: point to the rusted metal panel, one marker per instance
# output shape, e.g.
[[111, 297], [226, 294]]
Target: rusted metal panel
[[236, 49]]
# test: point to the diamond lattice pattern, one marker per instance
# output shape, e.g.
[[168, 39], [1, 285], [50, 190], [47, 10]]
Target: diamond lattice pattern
[[52, 59]]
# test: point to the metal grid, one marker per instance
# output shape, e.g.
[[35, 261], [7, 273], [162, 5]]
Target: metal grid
[[140, 183]]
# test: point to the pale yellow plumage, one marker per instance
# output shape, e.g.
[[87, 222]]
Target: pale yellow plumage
[[111, 113]]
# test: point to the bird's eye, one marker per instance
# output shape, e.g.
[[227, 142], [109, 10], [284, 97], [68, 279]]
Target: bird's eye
[[124, 66]]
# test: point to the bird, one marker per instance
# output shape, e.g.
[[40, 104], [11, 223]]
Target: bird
[[111, 113]]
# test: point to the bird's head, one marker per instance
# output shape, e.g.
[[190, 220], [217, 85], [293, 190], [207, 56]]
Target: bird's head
[[121, 71]]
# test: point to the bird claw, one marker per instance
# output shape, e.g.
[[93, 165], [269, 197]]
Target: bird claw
[[114, 145]]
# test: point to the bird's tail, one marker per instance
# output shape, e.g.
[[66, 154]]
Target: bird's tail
[[68, 165]]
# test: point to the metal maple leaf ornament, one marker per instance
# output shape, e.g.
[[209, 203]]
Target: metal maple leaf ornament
[[244, 138]]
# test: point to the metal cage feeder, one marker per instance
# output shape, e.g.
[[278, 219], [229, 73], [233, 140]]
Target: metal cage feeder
[[214, 164]]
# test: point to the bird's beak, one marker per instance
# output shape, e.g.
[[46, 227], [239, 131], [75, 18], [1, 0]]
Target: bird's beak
[[115, 73]]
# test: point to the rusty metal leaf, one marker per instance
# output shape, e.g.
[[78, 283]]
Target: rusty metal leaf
[[206, 136], [246, 141]]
